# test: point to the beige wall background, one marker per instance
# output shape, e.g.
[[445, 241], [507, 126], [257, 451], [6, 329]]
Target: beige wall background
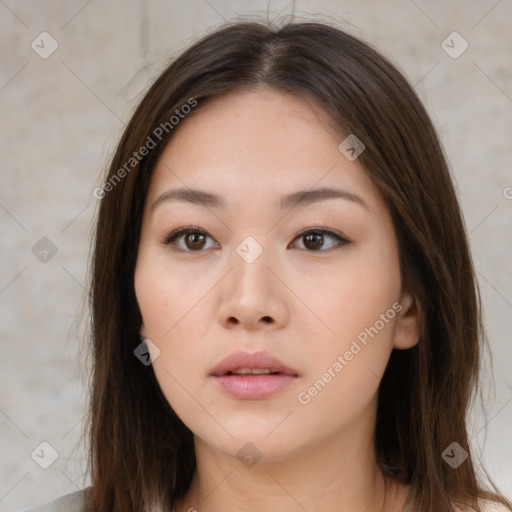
[[61, 116]]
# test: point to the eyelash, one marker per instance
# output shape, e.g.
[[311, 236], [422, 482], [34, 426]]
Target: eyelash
[[171, 238]]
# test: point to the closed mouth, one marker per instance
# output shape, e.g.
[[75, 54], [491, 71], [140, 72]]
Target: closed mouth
[[247, 364], [252, 371]]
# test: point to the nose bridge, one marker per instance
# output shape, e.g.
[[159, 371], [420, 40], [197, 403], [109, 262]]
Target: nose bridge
[[251, 250], [252, 292], [250, 261]]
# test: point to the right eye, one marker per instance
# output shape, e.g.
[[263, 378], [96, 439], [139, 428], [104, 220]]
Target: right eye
[[193, 239]]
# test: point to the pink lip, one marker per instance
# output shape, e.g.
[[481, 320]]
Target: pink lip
[[252, 387]]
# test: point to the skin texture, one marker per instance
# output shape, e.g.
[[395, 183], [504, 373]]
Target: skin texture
[[300, 300]]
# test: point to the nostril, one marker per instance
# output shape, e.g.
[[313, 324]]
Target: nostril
[[267, 319]]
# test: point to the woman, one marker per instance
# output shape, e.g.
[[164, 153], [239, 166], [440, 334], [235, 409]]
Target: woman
[[280, 229]]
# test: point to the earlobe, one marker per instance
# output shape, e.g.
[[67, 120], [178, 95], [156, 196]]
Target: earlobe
[[142, 332], [407, 331]]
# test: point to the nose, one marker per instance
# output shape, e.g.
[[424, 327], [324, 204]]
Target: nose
[[252, 296]]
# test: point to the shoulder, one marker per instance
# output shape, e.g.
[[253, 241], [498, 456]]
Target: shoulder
[[73, 502]]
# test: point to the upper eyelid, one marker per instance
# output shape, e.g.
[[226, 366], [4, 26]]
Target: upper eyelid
[[325, 230]]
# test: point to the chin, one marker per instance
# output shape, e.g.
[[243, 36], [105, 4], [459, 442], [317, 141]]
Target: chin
[[253, 439]]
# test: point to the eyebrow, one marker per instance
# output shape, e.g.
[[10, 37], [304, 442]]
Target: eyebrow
[[299, 199]]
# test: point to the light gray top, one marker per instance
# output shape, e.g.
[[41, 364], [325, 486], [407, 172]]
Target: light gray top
[[73, 502]]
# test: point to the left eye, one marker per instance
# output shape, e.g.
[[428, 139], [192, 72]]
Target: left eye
[[314, 239], [195, 239]]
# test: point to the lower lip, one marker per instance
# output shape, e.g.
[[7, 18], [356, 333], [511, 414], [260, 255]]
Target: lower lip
[[254, 387]]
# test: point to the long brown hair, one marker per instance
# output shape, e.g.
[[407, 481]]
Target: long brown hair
[[141, 453]]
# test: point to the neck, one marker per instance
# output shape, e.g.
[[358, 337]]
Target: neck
[[339, 474]]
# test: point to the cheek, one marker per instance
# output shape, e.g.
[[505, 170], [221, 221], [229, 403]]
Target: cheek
[[344, 378], [172, 308], [359, 304], [353, 297], [166, 297], [164, 304]]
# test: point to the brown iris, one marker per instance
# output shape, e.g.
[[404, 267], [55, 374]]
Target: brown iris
[[313, 240], [197, 240]]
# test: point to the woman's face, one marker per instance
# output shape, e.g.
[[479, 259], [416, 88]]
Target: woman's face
[[259, 282]]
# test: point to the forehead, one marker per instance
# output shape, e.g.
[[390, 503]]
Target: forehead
[[258, 143]]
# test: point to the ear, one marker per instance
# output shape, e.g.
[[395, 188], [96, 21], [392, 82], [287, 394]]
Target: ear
[[407, 330], [142, 332]]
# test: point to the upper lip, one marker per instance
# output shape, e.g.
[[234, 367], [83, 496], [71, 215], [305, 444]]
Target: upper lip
[[241, 359]]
